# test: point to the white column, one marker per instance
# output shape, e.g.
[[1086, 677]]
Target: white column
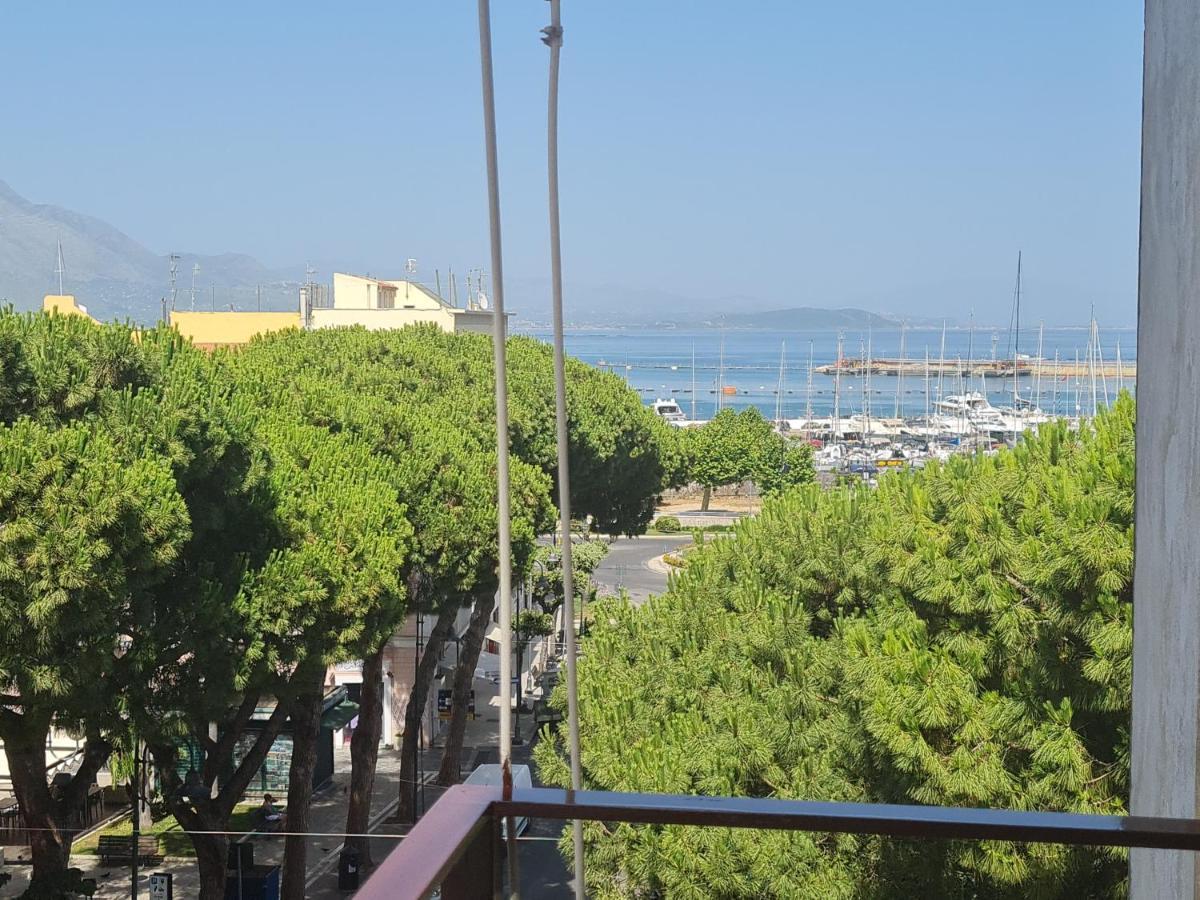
[[1166, 643]]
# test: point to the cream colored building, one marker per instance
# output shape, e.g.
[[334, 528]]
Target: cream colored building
[[376, 304], [371, 303]]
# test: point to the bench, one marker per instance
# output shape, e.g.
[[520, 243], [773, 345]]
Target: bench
[[114, 849]]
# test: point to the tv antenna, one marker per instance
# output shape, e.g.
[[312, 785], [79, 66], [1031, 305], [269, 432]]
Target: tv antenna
[[174, 264], [195, 272], [60, 267]]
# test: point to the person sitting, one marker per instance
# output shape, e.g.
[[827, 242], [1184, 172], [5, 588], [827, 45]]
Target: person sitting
[[271, 815]]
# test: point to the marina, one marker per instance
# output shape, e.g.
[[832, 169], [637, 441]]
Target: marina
[[864, 414]]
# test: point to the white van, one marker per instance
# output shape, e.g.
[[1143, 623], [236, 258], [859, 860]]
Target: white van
[[489, 774]]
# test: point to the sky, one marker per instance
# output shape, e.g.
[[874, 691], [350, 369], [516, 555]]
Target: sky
[[889, 156]]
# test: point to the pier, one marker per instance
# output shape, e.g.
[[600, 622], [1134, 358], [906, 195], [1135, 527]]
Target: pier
[[1046, 368]]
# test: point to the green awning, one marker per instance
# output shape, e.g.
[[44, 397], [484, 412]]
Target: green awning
[[339, 716]]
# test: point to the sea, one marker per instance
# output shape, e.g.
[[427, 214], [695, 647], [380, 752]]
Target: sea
[[658, 363]]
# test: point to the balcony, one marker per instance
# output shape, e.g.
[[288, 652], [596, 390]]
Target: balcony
[[456, 851]]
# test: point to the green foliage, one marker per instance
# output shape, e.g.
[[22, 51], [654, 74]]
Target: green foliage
[[743, 446], [532, 623], [173, 841], [667, 525], [958, 636], [547, 573]]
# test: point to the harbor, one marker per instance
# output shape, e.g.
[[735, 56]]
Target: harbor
[[864, 415]]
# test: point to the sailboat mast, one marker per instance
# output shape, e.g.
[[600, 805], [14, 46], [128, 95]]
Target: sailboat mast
[[721, 373], [1092, 360], [779, 388], [899, 373], [926, 384], [1017, 336], [693, 381], [1078, 408], [837, 391], [808, 400], [1041, 336], [1054, 402], [942, 361]]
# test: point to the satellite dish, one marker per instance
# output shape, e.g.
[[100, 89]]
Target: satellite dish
[[482, 300], [410, 266]]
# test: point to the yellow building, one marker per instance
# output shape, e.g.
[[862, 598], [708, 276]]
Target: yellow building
[[229, 329], [372, 303], [64, 305]]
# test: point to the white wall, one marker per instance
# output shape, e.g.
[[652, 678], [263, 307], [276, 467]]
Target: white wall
[[1166, 625]]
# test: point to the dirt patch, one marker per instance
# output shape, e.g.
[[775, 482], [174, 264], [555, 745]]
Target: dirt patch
[[674, 505]]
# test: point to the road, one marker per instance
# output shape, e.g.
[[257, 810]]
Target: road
[[626, 565]]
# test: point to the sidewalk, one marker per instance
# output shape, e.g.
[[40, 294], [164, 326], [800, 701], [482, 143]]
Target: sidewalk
[[327, 815]]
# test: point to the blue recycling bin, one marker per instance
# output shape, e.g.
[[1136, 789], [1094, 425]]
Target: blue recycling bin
[[258, 883]]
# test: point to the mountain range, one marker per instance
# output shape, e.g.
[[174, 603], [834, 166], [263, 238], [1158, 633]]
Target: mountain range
[[114, 275], [118, 278]]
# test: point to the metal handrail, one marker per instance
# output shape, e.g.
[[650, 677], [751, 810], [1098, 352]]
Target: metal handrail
[[453, 837]]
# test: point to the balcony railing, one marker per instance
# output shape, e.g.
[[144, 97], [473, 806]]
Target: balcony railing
[[456, 847]]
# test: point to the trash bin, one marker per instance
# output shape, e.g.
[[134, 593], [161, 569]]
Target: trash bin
[[348, 870]]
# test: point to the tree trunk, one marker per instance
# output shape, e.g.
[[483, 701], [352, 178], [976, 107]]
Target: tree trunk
[[140, 794], [415, 709], [205, 813], [464, 680], [306, 730], [50, 843], [705, 498], [212, 853], [364, 754]]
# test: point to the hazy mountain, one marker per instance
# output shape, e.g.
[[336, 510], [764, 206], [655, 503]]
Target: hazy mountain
[[114, 275], [117, 277], [810, 318]]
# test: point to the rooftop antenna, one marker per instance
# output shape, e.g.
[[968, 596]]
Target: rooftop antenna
[[60, 267], [410, 269], [173, 259]]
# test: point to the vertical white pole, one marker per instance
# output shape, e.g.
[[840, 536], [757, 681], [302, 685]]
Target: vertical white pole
[[500, 361], [1165, 766], [553, 39]]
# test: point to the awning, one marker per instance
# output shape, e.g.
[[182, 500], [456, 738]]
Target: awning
[[494, 634], [339, 716]]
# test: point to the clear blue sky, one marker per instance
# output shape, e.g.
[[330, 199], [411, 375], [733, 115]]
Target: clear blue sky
[[888, 155]]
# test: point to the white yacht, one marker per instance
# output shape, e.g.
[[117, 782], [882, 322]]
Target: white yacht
[[669, 412]]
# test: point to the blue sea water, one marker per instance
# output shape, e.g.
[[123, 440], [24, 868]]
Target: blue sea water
[[658, 363]]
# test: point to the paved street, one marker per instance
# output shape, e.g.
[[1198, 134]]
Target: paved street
[[626, 565]]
